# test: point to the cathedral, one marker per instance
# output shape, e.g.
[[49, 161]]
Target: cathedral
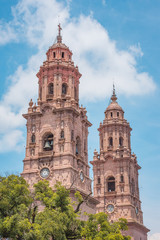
[[57, 145]]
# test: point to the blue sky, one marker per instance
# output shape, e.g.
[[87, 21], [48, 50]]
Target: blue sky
[[112, 41]]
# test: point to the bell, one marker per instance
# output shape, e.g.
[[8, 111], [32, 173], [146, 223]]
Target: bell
[[47, 145]]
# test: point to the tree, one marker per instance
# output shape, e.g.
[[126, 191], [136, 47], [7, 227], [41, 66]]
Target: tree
[[58, 220], [44, 214], [97, 227], [20, 218]]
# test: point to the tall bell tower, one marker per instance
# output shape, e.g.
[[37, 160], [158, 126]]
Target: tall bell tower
[[57, 127], [115, 172]]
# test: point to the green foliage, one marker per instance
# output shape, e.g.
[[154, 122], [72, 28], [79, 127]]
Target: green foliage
[[58, 220], [20, 218], [97, 227]]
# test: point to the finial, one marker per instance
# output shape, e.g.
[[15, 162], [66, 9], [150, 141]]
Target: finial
[[31, 103], [59, 37], [59, 29], [114, 98], [113, 89]]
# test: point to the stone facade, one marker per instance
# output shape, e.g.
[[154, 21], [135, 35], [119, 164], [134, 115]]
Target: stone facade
[[57, 144], [57, 127], [115, 172]]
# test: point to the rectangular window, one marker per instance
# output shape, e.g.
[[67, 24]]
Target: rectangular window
[[62, 54], [54, 54]]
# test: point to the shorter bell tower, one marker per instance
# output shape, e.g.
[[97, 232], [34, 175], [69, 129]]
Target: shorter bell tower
[[115, 171]]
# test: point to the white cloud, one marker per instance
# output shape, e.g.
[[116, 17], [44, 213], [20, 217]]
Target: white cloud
[[155, 236], [99, 60], [12, 140], [136, 50], [7, 33], [101, 63]]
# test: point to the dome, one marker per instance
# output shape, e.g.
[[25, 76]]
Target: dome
[[114, 104], [59, 44]]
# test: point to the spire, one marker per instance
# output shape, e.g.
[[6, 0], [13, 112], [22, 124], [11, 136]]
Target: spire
[[114, 98], [59, 37]]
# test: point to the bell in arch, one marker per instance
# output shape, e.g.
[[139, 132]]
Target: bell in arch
[[47, 145]]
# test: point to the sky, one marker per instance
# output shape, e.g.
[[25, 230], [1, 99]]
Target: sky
[[112, 41]]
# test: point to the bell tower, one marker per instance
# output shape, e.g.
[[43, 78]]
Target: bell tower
[[57, 127], [115, 172]]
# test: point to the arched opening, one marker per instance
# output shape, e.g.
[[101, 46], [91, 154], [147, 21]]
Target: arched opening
[[78, 145], [99, 180], [64, 88], [48, 142], [54, 54], [111, 184], [120, 141], [62, 134], [33, 138], [110, 140], [50, 88]]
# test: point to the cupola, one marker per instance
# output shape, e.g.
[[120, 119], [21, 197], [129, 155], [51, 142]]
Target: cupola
[[114, 110]]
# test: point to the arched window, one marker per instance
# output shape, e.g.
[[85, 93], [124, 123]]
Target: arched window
[[110, 141], [54, 54], [50, 88], [78, 145], [120, 141], [33, 138], [64, 88], [62, 134], [99, 180], [48, 142], [111, 184], [122, 179]]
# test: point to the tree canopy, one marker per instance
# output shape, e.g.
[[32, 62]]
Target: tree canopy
[[44, 214]]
